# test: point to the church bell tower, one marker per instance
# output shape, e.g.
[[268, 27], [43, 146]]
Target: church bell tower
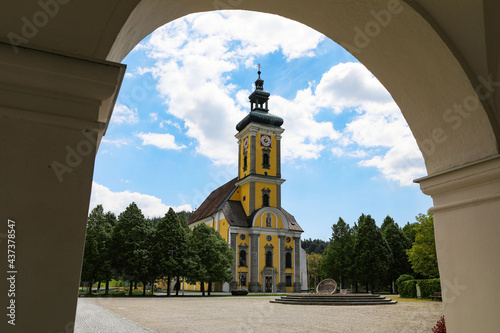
[[259, 153]]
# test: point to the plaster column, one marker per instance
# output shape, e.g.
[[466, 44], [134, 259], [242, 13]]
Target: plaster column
[[467, 228], [53, 112], [296, 268]]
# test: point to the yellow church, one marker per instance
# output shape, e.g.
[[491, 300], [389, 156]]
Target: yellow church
[[247, 210]]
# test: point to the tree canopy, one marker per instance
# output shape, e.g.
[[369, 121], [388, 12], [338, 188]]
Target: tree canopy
[[422, 254], [212, 256], [338, 260], [372, 253]]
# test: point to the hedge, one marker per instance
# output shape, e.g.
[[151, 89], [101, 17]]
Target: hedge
[[408, 289], [402, 278], [429, 287]]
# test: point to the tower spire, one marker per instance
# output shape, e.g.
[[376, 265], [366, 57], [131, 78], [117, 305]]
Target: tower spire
[[259, 108], [259, 83]]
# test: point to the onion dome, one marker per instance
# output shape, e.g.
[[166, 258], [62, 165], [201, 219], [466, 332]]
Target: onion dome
[[259, 112]]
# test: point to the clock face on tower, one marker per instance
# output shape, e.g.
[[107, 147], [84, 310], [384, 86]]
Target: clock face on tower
[[245, 143], [265, 140]]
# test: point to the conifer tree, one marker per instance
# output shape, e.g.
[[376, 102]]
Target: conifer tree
[[170, 247], [96, 260], [399, 244], [337, 261], [372, 253], [132, 240]]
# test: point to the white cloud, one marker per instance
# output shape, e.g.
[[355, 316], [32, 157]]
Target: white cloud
[[122, 114], [162, 141], [193, 58], [304, 136], [117, 202], [350, 85], [402, 163], [117, 142], [378, 124], [153, 116]]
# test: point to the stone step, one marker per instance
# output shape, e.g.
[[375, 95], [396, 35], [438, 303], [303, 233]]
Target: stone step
[[336, 299]]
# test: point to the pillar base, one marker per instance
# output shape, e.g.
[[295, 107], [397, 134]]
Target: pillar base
[[281, 287], [255, 287]]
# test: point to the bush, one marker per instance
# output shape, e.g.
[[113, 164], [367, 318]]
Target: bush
[[429, 287], [402, 278], [408, 289]]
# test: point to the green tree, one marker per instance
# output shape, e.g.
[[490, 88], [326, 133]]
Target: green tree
[[410, 232], [212, 257], [337, 261], [170, 247], [314, 246], [387, 222], [96, 260], [399, 244], [132, 240], [372, 253], [422, 255], [314, 272]]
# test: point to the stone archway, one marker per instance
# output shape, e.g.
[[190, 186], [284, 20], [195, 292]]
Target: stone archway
[[58, 89]]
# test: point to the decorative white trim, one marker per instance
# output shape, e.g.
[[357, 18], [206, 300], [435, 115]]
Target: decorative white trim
[[254, 128], [274, 211], [267, 231], [260, 179]]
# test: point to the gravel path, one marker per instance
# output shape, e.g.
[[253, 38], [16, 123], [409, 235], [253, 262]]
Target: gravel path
[[256, 314]]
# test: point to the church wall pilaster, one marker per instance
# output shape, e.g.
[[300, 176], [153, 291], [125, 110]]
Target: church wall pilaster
[[282, 253], [252, 198], [253, 150], [254, 284], [234, 283], [296, 275]]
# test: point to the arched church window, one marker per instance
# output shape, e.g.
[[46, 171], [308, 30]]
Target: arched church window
[[269, 259], [265, 158], [265, 200], [245, 161], [265, 197], [243, 258], [288, 260]]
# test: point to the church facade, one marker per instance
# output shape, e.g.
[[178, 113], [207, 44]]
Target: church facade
[[247, 210]]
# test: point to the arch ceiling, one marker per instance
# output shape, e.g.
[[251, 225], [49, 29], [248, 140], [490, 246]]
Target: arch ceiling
[[439, 60]]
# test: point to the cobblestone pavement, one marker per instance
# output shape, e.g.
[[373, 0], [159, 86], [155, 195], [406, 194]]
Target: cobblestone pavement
[[92, 318], [250, 314]]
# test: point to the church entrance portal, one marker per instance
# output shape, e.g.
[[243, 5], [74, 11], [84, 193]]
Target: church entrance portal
[[269, 284]]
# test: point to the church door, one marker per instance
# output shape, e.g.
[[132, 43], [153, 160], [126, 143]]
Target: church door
[[269, 284]]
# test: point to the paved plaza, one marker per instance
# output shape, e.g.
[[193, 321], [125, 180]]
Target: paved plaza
[[248, 314]]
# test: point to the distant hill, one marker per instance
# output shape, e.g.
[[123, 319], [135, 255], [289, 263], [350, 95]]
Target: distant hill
[[314, 246]]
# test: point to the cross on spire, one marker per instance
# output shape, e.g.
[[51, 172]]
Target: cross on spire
[[259, 67]]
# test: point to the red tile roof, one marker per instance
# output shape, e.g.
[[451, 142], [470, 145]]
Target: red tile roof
[[213, 201]]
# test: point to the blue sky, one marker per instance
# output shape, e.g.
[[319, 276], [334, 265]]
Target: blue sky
[[346, 149]]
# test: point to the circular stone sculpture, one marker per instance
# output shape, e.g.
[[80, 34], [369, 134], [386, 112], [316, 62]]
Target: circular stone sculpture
[[327, 286]]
